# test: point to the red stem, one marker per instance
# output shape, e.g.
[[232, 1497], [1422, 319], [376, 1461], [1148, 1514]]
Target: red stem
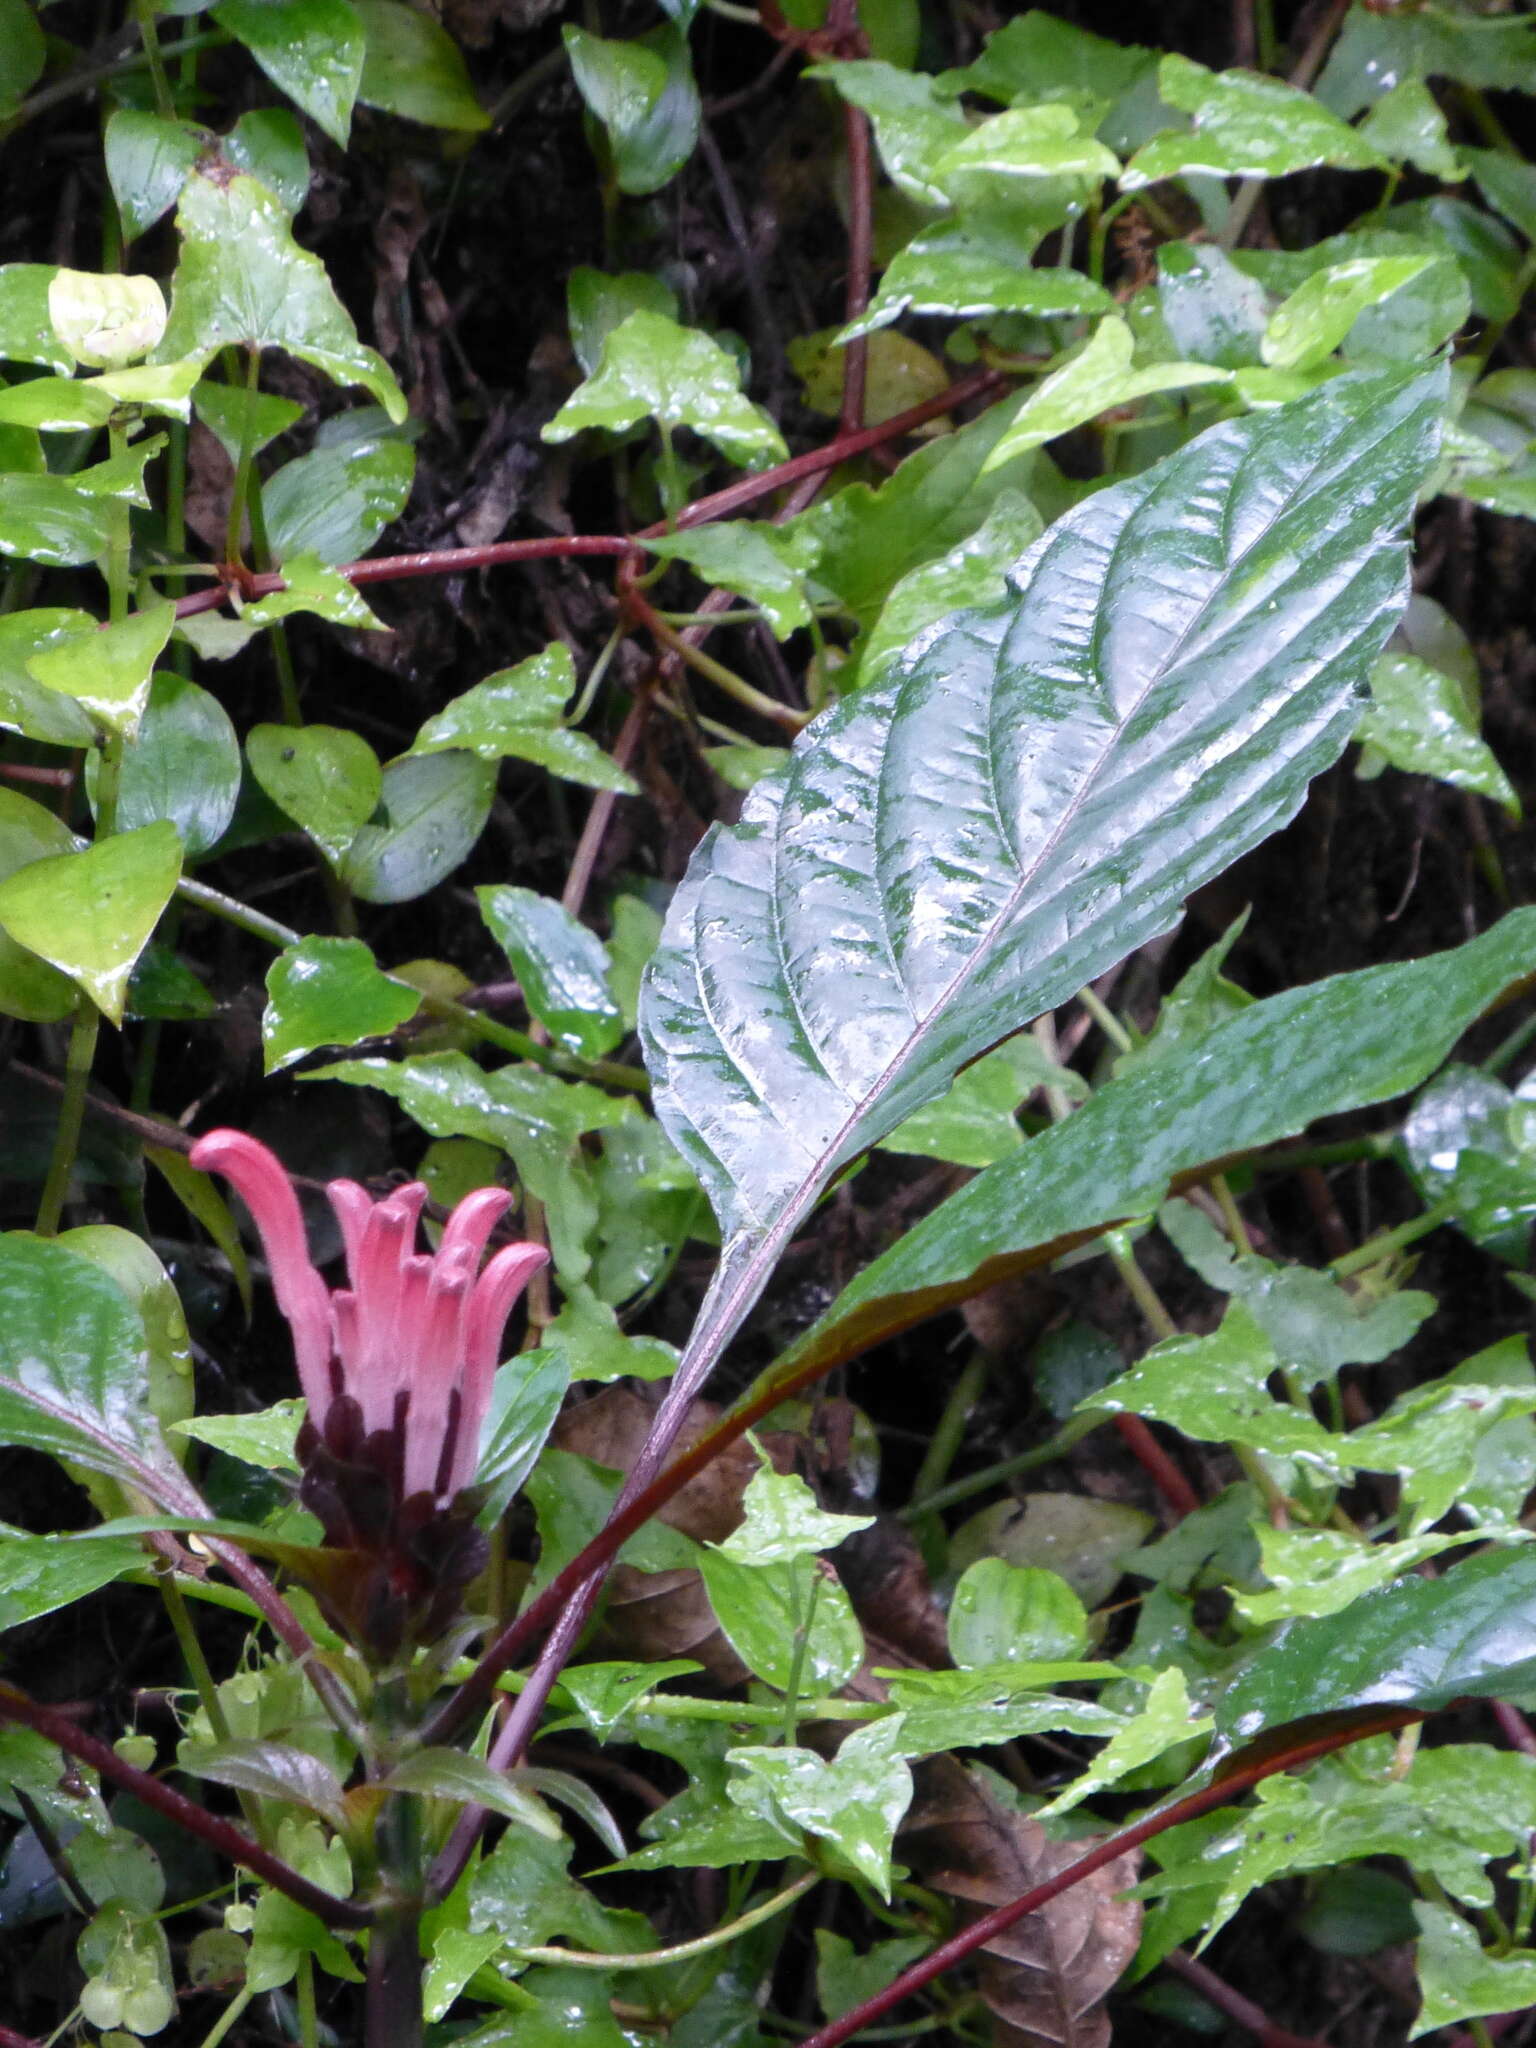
[[1156, 1463], [444, 561], [10, 2039], [1216, 1991], [1514, 1727], [1235, 1781], [221, 1835], [861, 208]]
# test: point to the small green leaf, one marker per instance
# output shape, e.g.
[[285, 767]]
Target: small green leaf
[[525, 1399], [562, 967], [785, 1620], [335, 502], [1166, 1719], [596, 303], [1212, 311], [1313, 321], [1458, 1979], [752, 558], [1408, 126], [23, 51], [1419, 721], [1101, 375], [106, 321], [53, 520], [243, 278], [268, 144], [1244, 125], [412, 67], [845, 1979], [469, 1780], [29, 987], [310, 49], [434, 808], [586, 1334], [783, 1521], [1320, 1571], [913, 126], [326, 778], [642, 93], [1023, 145], [265, 1438], [26, 332], [1472, 1145], [109, 674], [949, 269], [1003, 1613], [1038, 56], [40, 1574], [973, 572], [856, 1802], [91, 914], [1315, 1325], [517, 712], [184, 766], [270, 1770], [653, 369], [328, 991], [311, 585], [976, 1122], [237, 417]]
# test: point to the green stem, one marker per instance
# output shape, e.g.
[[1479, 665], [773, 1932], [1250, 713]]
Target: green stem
[[89, 76], [235, 523], [309, 2018], [227, 2018], [609, 1073], [995, 1475], [1106, 1020], [683, 1951], [78, 1062], [1375, 1249], [144, 14]]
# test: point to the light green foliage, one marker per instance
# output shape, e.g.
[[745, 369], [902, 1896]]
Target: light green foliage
[[517, 714], [651, 368], [329, 992]]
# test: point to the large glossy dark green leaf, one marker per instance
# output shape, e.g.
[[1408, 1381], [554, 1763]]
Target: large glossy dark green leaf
[[1029, 793], [1261, 1075], [1421, 1643], [74, 1370]]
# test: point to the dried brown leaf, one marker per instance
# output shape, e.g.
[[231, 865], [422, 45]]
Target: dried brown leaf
[[1045, 1979]]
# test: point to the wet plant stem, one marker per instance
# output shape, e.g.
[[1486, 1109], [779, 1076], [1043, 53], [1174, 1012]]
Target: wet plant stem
[[222, 1836], [609, 1073], [950, 1433], [85, 1030], [684, 1951]]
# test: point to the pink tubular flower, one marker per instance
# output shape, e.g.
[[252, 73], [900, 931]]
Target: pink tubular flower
[[407, 1353]]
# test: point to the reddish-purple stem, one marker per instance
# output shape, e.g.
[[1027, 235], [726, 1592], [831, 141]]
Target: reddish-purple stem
[[1514, 1727], [1156, 1463], [221, 1835], [1230, 1785], [445, 561], [9, 2038], [1216, 1991]]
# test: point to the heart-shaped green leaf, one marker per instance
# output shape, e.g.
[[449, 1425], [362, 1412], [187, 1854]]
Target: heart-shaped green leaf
[[90, 914]]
